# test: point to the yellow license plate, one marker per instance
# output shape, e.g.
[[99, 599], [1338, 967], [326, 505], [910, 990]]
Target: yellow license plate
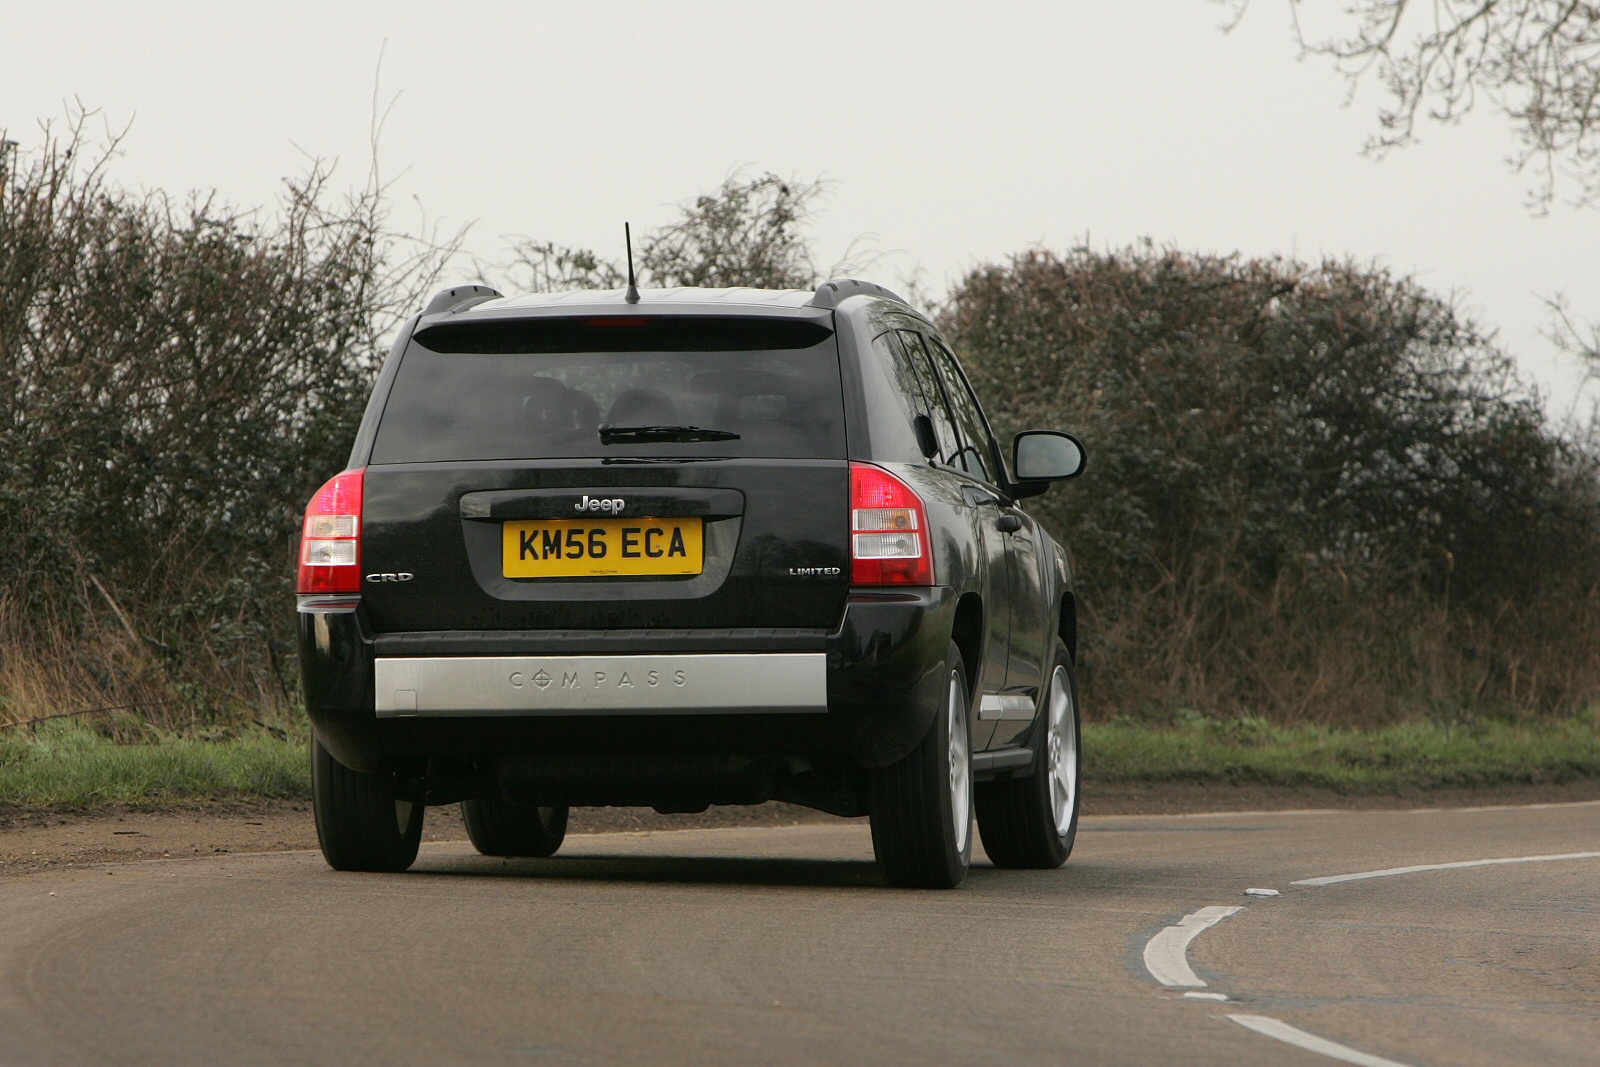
[[596, 548]]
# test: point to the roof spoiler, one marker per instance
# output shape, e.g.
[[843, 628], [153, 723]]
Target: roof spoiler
[[830, 293], [460, 298]]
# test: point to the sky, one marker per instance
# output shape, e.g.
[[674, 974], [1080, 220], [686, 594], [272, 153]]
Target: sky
[[951, 134]]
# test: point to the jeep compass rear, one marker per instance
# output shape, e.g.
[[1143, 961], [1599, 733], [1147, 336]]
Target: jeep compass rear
[[598, 552]]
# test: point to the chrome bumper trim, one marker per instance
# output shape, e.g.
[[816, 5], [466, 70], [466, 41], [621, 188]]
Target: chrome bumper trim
[[1016, 706], [311, 604], [724, 683]]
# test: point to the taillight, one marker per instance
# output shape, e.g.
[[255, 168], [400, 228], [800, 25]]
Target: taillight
[[889, 542], [330, 540]]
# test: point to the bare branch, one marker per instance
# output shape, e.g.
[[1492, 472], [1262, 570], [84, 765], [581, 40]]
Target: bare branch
[[1535, 61], [743, 233]]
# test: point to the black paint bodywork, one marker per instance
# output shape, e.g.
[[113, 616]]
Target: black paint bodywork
[[1002, 593]]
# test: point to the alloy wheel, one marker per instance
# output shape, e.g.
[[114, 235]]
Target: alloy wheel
[[960, 763], [1062, 751]]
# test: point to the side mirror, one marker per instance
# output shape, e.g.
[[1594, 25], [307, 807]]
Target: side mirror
[[1044, 456]]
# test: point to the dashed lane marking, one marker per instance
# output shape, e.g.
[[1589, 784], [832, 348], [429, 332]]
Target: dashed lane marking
[[1166, 954], [1389, 872], [1291, 1035]]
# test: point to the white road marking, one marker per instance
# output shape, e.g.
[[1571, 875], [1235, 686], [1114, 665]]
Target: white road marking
[[1289, 1035], [1521, 807], [1388, 872], [1166, 954], [1101, 820], [1282, 1031]]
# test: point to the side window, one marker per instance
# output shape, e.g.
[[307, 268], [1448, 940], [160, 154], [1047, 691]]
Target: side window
[[978, 454], [944, 426], [894, 403], [904, 375]]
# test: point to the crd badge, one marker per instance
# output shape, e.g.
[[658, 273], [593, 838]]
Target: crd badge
[[401, 576]]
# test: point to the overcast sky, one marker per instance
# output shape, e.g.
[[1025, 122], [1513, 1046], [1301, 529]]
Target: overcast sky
[[954, 134]]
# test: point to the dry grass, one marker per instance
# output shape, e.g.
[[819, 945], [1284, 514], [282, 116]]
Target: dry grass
[[1325, 651], [101, 668], [1333, 651]]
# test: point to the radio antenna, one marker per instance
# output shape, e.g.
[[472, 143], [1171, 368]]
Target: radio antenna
[[632, 295]]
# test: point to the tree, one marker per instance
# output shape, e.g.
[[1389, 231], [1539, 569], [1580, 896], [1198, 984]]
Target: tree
[[745, 232], [546, 267], [1313, 489], [176, 378], [1538, 61], [1267, 412]]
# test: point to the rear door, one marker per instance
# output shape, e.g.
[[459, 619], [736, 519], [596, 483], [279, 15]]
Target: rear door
[[609, 472], [980, 510], [1022, 603]]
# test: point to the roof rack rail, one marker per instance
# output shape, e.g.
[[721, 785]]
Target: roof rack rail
[[460, 298], [830, 293]]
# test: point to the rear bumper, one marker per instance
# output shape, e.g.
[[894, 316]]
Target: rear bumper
[[865, 693], [670, 684]]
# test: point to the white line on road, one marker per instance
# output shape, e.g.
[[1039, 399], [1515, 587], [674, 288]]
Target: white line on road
[[1388, 872], [1290, 1035], [1108, 822], [1166, 954]]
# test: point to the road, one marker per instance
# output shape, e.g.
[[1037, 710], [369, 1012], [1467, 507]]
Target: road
[[780, 946]]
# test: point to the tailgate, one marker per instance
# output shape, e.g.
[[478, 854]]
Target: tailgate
[[774, 549]]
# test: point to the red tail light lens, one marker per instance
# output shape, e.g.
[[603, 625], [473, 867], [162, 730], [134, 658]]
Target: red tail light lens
[[330, 540], [888, 530]]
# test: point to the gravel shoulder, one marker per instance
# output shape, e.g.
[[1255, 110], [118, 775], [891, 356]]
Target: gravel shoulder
[[52, 839]]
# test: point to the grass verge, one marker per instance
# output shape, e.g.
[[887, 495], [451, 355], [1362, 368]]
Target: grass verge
[[1386, 759], [69, 765], [72, 766]]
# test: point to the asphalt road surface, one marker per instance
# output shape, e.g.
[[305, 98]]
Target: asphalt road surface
[[781, 946]]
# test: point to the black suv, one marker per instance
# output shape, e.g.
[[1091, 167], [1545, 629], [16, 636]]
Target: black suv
[[700, 547]]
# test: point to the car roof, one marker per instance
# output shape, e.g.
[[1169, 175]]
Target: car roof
[[614, 299], [465, 303]]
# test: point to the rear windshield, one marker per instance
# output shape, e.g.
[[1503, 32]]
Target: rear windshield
[[547, 388]]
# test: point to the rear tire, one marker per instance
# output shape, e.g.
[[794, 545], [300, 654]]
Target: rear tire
[[505, 828], [922, 805], [1032, 822], [361, 824]]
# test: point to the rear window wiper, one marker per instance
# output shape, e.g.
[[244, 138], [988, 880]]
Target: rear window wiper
[[612, 435]]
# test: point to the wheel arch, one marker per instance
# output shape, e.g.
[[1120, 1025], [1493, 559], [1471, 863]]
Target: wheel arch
[[967, 633], [1067, 624]]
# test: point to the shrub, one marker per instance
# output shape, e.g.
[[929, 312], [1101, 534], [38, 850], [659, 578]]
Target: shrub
[[1313, 491], [176, 378]]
